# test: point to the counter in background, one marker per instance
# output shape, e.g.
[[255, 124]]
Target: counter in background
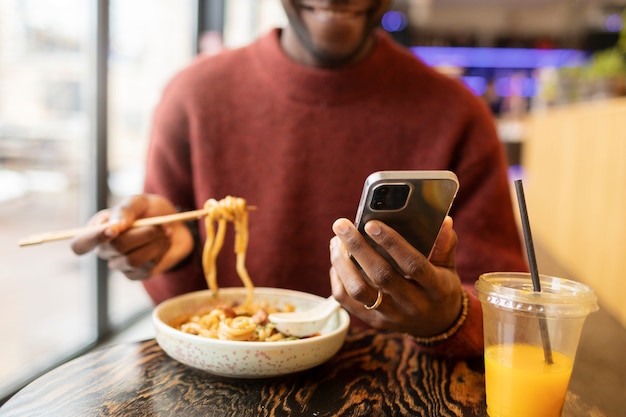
[[575, 163]]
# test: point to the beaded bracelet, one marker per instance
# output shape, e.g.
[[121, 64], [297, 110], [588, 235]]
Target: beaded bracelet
[[433, 340]]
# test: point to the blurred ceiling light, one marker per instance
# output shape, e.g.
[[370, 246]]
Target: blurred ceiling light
[[614, 23], [394, 21]]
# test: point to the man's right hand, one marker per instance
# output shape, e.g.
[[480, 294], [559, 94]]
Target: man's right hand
[[138, 252]]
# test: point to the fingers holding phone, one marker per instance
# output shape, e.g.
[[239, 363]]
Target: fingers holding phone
[[418, 298], [444, 249], [401, 220]]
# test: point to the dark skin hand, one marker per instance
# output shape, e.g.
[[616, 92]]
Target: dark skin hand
[[423, 299], [138, 252]]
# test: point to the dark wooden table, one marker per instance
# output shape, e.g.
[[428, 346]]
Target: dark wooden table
[[374, 374]]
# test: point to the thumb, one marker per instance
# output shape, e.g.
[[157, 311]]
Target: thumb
[[445, 246], [124, 214], [112, 222]]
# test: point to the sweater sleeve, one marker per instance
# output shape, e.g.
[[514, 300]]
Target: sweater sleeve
[[168, 173], [168, 164]]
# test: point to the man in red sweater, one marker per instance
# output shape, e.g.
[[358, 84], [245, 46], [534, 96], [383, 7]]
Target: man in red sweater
[[294, 123]]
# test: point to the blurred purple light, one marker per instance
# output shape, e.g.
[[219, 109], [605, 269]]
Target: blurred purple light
[[614, 23], [499, 57], [394, 21], [514, 61], [477, 84], [518, 86]]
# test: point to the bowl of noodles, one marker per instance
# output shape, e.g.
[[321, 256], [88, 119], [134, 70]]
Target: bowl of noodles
[[201, 330], [225, 331]]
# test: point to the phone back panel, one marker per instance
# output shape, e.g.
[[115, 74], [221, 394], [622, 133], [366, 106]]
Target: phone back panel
[[419, 220]]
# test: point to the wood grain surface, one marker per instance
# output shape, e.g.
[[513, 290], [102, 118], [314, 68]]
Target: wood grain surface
[[374, 374]]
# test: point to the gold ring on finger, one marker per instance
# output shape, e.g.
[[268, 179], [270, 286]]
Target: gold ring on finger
[[379, 299]]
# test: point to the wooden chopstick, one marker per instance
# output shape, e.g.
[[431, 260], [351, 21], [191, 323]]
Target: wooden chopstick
[[148, 221]]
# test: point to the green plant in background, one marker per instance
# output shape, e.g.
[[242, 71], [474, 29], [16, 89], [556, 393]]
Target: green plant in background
[[605, 74], [602, 76], [610, 63]]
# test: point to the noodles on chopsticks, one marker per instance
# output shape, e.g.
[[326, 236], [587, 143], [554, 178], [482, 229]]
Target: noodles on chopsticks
[[247, 321], [229, 209]]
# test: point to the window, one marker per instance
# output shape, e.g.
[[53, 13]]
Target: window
[[44, 128], [245, 20], [150, 41], [48, 295]]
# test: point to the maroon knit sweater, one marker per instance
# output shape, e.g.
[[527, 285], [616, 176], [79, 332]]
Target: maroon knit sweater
[[298, 142]]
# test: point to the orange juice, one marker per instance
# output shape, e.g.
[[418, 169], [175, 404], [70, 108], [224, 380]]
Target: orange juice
[[520, 384]]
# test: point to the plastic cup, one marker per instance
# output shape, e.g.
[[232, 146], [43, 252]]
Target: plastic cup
[[519, 381]]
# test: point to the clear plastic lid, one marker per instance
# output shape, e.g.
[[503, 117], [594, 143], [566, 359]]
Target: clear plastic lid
[[559, 297]]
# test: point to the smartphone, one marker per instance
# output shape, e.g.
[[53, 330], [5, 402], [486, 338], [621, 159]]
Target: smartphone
[[413, 203]]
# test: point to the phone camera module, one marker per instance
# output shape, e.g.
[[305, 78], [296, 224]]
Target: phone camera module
[[390, 197], [379, 204]]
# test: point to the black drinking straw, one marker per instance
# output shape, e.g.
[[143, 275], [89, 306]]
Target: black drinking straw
[[534, 273]]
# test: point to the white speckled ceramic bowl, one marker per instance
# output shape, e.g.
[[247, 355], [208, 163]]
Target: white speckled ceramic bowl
[[246, 359]]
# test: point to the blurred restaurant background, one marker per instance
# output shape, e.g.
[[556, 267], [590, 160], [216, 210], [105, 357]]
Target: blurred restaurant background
[[79, 80]]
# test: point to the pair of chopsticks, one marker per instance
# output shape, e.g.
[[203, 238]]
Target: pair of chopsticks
[[148, 221]]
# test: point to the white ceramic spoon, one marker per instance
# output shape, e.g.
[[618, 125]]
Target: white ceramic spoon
[[306, 322]]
